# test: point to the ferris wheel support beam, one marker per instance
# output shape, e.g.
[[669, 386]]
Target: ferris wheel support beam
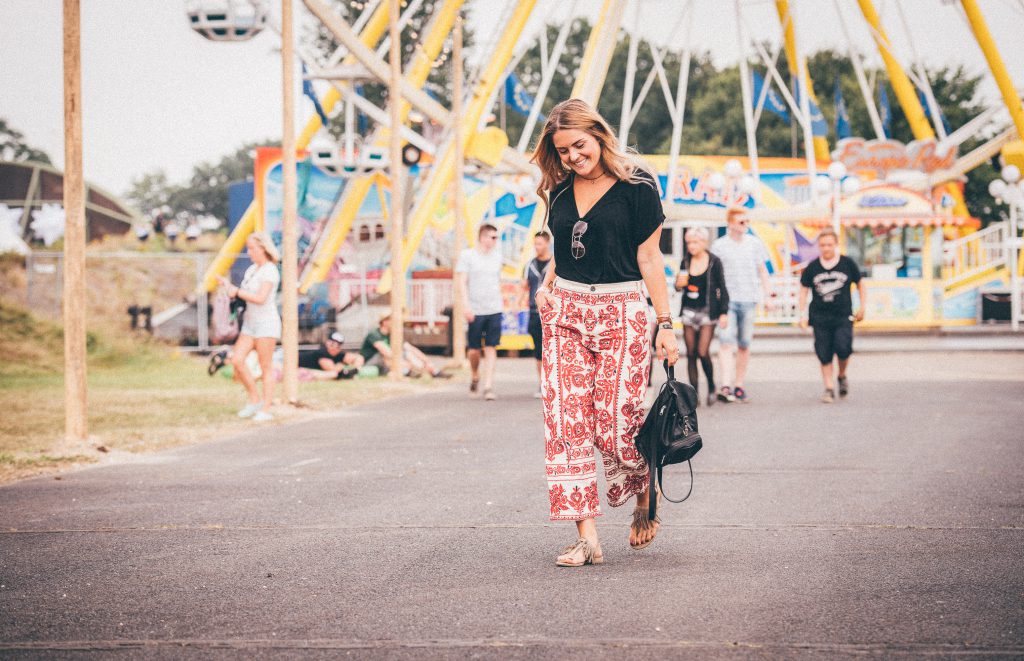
[[798, 69], [862, 81], [679, 108], [794, 106], [805, 109], [439, 179], [598, 55], [347, 208], [371, 34], [747, 95], [627, 88], [922, 77], [905, 93], [995, 64], [549, 66]]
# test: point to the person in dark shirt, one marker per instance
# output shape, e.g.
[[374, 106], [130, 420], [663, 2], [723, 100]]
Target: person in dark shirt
[[605, 217], [828, 279], [533, 276], [704, 305], [330, 361], [376, 351]]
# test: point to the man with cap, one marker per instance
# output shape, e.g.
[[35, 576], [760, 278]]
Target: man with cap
[[330, 361]]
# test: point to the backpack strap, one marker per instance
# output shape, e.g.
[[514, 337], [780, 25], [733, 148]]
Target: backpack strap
[[662, 485]]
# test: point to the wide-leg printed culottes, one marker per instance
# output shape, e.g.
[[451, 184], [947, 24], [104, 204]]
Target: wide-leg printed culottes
[[594, 378]]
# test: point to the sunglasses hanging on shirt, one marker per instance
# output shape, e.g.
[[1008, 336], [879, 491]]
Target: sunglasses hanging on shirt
[[578, 230]]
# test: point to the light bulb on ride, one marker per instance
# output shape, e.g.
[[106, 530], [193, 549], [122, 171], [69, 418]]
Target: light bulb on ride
[[997, 188], [732, 168], [716, 181], [823, 185], [1010, 174], [836, 170], [851, 185], [747, 185]]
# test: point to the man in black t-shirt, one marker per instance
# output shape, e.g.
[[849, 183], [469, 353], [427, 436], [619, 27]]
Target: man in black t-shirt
[[533, 276], [828, 279], [330, 361]]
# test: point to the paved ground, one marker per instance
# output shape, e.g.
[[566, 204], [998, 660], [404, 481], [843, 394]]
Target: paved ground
[[891, 524]]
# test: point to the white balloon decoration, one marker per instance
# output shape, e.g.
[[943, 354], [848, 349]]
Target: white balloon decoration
[[48, 223]]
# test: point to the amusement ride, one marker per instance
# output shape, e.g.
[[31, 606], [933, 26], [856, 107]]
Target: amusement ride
[[898, 208]]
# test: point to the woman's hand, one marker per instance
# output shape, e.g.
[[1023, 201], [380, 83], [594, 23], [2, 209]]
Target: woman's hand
[[230, 288], [723, 321], [665, 344], [543, 298]]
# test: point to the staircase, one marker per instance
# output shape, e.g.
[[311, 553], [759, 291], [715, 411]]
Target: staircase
[[974, 258]]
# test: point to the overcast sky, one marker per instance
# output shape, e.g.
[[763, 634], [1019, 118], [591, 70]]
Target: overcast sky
[[156, 95]]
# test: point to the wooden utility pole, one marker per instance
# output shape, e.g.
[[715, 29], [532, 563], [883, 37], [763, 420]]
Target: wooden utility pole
[[75, 387], [458, 320], [397, 194], [289, 243]]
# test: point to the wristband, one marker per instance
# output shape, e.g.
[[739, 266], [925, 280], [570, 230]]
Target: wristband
[[665, 325]]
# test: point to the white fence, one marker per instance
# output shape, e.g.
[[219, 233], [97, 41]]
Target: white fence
[[975, 253]]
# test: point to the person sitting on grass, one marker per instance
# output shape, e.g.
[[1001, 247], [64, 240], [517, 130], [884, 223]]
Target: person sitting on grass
[[376, 350], [330, 360]]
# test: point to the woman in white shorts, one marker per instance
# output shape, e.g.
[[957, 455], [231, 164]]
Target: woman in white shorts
[[261, 323]]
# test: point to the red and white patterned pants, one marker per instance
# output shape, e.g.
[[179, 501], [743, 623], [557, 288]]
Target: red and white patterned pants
[[594, 378]]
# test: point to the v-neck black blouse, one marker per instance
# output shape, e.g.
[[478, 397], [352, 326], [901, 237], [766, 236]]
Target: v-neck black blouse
[[625, 216]]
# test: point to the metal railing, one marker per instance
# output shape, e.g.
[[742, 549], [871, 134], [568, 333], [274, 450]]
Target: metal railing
[[975, 253], [427, 300]]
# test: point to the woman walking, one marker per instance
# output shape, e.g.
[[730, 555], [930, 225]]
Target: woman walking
[[605, 216], [261, 323], [705, 303]]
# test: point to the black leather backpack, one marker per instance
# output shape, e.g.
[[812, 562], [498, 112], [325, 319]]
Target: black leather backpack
[[669, 434]]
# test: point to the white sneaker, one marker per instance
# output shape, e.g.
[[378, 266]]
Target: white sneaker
[[249, 410], [262, 416]]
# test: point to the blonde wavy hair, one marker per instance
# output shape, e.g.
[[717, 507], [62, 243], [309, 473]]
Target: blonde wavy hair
[[267, 243], [619, 162]]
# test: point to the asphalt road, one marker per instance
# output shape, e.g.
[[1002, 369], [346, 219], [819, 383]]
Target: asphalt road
[[890, 524]]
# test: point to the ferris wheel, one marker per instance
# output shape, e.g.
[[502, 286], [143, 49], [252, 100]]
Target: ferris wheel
[[227, 20]]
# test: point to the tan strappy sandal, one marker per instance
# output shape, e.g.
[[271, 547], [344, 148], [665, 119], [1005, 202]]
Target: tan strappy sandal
[[581, 552], [643, 523]]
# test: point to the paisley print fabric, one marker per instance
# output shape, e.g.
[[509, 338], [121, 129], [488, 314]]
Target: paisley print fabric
[[594, 378]]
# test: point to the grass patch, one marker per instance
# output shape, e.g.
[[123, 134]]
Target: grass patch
[[148, 402], [143, 396]]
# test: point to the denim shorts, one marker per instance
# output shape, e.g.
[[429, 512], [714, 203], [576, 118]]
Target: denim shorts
[[485, 329], [741, 325]]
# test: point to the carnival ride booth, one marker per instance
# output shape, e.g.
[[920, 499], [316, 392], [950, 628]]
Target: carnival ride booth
[[895, 235]]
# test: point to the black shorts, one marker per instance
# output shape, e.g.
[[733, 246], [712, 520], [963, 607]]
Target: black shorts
[[832, 341], [484, 330], [537, 333]]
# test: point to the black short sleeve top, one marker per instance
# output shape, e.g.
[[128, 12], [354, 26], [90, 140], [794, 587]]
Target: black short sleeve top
[[625, 216]]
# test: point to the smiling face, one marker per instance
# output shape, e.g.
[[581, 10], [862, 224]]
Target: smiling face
[[579, 151]]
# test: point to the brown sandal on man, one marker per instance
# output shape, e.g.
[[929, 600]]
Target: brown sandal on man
[[643, 523], [579, 553]]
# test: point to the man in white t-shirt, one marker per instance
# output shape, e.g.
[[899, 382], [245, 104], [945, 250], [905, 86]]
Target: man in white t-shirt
[[746, 277], [479, 278]]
